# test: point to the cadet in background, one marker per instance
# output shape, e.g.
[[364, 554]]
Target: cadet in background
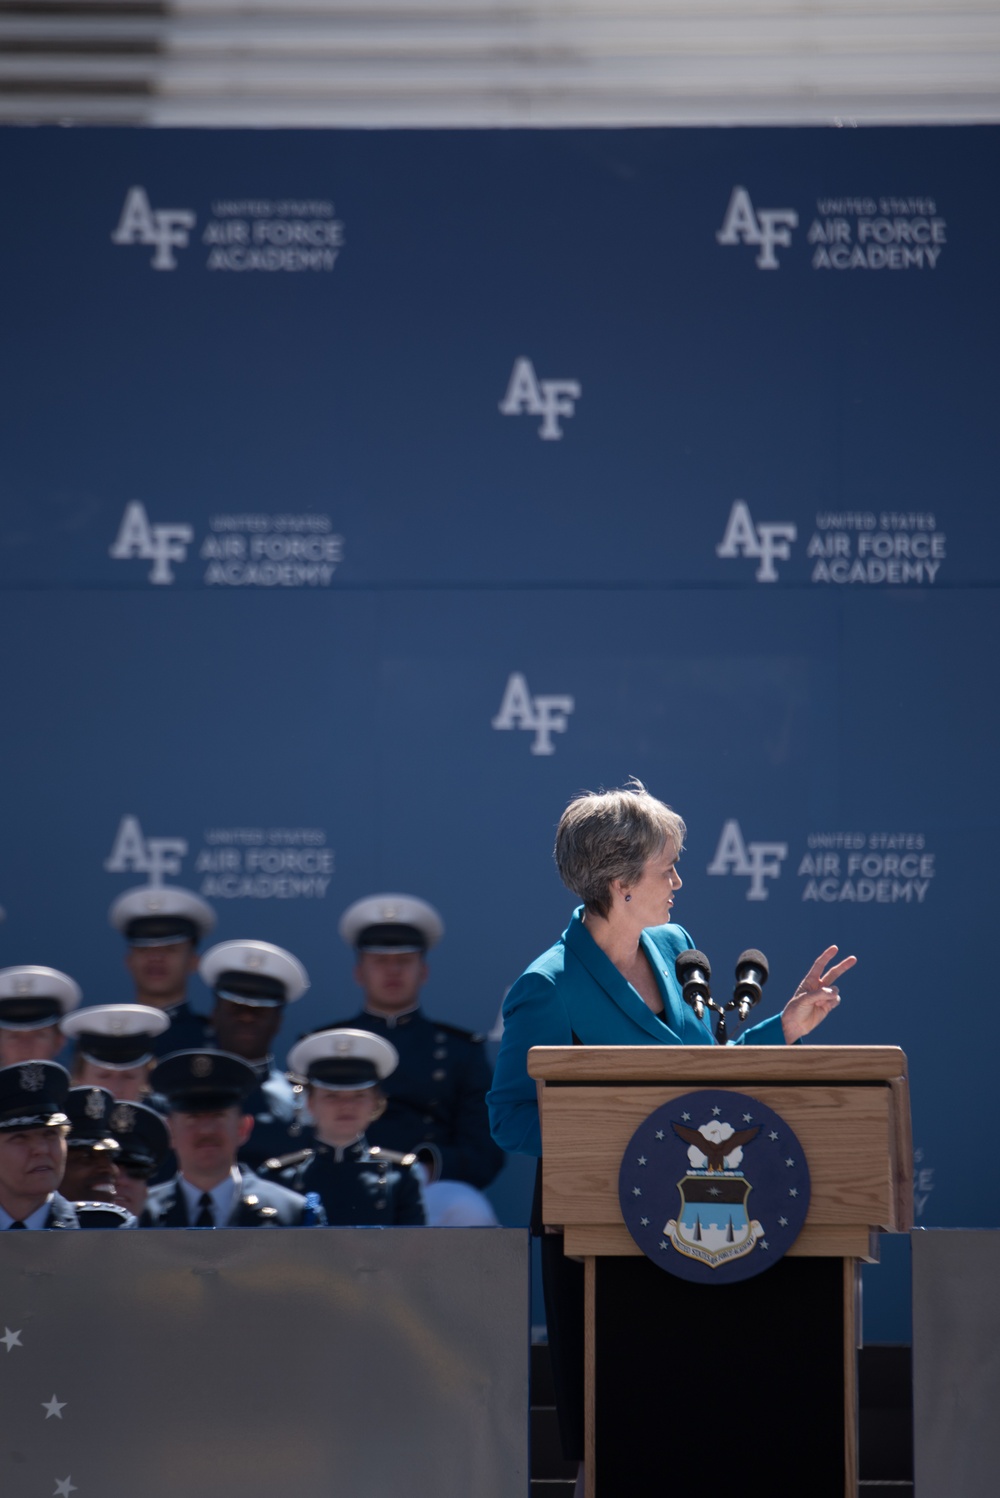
[[144, 1144], [32, 1002], [252, 982], [162, 925], [114, 1047], [359, 1185], [437, 1095], [205, 1093]]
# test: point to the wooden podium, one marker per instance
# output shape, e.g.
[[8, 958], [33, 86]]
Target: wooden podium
[[778, 1350]]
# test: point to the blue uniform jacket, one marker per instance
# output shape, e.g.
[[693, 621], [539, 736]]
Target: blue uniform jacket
[[277, 1126], [436, 1096], [260, 1204], [187, 1031], [358, 1186], [573, 993]]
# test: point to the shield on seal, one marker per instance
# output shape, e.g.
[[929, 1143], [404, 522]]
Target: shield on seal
[[713, 1224]]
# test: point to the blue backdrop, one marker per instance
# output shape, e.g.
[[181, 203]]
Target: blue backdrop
[[366, 495]]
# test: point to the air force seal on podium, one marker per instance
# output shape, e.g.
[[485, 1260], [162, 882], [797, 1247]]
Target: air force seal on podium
[[714, 1187]]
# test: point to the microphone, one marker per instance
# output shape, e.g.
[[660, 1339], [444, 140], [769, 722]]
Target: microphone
[[693, 971], [751, 975]]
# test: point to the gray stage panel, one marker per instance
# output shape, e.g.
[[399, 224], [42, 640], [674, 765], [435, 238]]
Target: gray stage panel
[[324, 1363], [956, 1363]]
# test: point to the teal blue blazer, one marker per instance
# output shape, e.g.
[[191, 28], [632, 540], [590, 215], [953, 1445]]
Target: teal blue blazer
[[574, 994]]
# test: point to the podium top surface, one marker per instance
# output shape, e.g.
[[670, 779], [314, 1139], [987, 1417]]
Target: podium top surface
[[718, 1065]]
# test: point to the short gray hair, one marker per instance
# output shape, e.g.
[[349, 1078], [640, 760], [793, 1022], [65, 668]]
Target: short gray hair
[[608, 835]]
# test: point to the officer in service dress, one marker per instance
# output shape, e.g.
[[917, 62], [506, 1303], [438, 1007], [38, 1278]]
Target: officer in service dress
[[113, 1047], [437, 1096], [32, 1002], [91, 1173], [205, 1092], [33, 1127], [359, 1184], [162, 926], [143, 1145], [252, 982]]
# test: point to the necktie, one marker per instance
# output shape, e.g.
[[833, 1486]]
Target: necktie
[[206, 1217], [15, 1225]]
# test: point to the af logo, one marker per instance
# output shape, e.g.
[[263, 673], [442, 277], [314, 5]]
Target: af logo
[[768, 228], [759, 861], [542, 716], [769, 541], [548, 399], [159, 544], [131, 853], [163, 229]]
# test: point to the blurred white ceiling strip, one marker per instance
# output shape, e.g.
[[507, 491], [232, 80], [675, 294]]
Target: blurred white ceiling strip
[[468, 62]]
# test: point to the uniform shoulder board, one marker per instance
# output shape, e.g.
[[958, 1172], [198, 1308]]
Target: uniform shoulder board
[[285, 1162], [391, 1157], [476, 1036]]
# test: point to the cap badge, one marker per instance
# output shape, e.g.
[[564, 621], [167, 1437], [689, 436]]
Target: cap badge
[[389, 913], [123, 1119], [342, 1045], [154, 903], [94, 1107], [23, 985], [201, 1066], [254, 960], [32, 1077], [117, 1026]]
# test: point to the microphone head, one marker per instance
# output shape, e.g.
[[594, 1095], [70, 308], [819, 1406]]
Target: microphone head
[[688, 961], [751, 975], [752, 958]]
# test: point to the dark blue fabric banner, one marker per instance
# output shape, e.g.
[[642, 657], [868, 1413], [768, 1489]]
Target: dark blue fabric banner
[[364, 496]]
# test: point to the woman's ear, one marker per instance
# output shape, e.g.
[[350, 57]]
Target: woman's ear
[[379, 1105]]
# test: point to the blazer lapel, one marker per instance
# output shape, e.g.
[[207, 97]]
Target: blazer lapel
[[674, 1016], [603, 971]]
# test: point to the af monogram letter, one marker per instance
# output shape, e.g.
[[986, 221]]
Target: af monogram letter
[[768, 228], [133, 853], [542, 716], [159, 544], [769, 541], [166, 229], [760, 860], [548, 399]]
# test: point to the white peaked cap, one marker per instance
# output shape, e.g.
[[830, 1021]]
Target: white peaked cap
[[29, 982], [148, 901], [116, 1020], [343, 1059], [259, 958], [398, 923]]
